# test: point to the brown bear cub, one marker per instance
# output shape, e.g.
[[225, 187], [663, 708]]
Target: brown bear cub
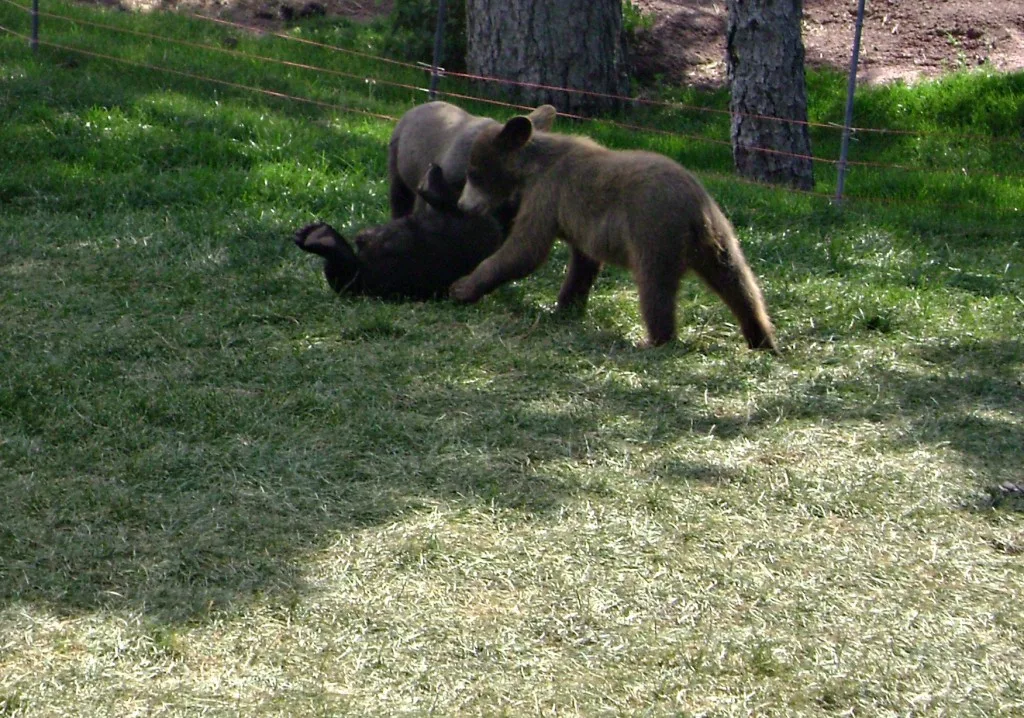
[[638, 210], [439, 133], [415, 257]]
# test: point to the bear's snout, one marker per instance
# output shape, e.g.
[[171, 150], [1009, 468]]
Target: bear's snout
[[473, 201]]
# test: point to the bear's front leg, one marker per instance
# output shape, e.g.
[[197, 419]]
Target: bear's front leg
[[521, 254], [465, 291], [579, 279]]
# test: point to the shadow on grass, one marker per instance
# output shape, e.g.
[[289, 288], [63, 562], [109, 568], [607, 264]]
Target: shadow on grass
[[181, 423], [202, 446], [221, 423], [966, 395]]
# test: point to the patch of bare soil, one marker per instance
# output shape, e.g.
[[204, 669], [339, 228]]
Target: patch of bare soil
[[902, 39]]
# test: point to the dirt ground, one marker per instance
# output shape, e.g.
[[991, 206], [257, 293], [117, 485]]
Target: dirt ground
[[901, 39], [685, 44]]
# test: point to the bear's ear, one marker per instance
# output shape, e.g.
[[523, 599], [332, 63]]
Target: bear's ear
[[515, 134], [543, 117], [435, 190]]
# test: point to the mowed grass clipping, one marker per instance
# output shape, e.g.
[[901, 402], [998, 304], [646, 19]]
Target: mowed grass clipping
[[227, 491]]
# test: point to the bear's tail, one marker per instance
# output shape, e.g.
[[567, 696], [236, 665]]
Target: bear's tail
[[718, 260]]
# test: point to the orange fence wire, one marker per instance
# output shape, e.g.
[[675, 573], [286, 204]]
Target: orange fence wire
[[476, 78], [205, 78], [590, 93]]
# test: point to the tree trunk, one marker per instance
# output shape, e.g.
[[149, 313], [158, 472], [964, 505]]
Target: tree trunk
[[577, 44], [766, 79]]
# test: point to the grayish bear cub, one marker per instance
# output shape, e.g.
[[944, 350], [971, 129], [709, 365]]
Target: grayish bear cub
[[639, 210], [441, 134]]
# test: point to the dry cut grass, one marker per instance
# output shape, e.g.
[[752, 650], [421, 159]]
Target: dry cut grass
[[229, 492]]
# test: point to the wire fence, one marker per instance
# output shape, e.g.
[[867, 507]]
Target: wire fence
[[431, 74]]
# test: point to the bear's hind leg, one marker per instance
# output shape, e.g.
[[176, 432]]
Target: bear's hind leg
[[341, 265], [657, 288], [318, 238], [402, 198]]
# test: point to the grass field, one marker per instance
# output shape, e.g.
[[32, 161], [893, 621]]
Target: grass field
[[227, 491]]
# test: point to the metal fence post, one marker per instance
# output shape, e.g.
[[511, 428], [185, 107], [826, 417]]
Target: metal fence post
[[438, 47], [851, 85]]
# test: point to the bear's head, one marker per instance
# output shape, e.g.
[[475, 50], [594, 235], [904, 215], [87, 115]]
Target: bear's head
[[383, 247], [384, 253], [491, 175]]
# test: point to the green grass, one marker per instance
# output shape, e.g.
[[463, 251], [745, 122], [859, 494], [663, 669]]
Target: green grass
[[228, 491]]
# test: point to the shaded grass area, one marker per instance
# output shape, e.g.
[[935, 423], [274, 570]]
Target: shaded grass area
[[228, 490]]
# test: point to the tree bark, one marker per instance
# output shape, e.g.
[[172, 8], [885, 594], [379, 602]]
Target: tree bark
[[766, 80], [576, 44]]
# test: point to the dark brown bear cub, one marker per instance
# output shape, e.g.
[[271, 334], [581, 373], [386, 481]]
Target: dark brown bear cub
[[639, 210], [415, 257]]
